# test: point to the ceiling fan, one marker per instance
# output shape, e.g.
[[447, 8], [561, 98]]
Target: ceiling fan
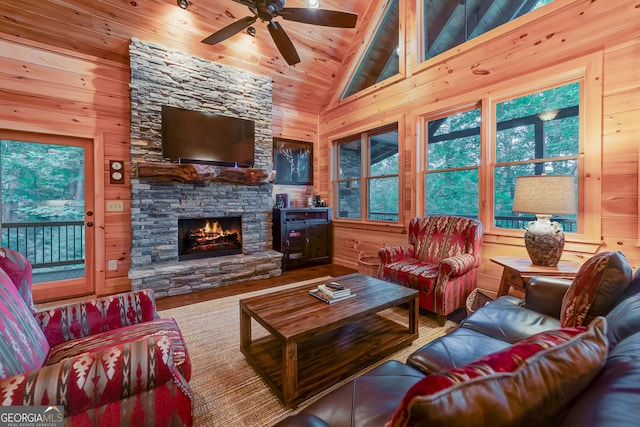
[[267, 10]]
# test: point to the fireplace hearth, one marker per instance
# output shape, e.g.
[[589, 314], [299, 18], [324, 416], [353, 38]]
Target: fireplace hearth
[[209, 237]]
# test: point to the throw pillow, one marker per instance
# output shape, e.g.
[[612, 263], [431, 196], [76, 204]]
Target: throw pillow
[[18, 268], [597, 286], [524, 385], [23, 346]]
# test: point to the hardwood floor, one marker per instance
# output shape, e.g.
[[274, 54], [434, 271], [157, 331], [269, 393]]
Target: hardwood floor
[[254, 285]]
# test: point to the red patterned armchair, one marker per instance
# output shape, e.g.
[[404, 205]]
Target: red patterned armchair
[[109, 361], [441, 261]]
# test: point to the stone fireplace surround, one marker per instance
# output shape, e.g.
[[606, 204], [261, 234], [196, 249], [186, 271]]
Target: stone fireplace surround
[[160, 76]]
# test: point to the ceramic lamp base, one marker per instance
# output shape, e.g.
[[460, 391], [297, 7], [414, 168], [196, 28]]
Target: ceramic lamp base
[[544, 241]]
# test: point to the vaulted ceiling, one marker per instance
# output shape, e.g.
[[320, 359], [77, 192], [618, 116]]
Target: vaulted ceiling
[[103, 28]]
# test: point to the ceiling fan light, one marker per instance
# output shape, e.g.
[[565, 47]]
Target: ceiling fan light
[[313, 4], [251, 31], [183, 4]]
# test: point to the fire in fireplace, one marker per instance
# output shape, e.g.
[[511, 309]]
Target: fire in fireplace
[[209, 237]]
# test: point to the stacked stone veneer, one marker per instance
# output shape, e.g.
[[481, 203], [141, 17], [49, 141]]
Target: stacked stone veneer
[[160, 76]]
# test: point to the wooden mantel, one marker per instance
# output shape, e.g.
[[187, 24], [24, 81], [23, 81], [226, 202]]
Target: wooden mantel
[[196, 173]]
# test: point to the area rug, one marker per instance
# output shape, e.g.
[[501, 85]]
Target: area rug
[[227, 392]]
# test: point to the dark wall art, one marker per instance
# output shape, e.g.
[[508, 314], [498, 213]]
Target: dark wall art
[[293, 162]]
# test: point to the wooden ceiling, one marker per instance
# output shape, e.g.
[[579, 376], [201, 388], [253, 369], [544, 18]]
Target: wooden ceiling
[[103, 28]]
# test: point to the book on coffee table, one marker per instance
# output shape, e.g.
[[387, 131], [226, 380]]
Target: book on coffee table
[[334, 290], [322, 296]]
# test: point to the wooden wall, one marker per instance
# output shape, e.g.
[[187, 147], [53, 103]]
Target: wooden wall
[[544, 39], [53, 91], [300, 126]]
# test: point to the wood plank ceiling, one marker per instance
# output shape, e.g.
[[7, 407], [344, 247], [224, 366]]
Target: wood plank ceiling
[[103, 28]]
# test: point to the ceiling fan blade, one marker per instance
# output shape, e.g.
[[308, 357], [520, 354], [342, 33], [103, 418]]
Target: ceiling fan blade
[[327, 18], [283, 43], [230, 30]]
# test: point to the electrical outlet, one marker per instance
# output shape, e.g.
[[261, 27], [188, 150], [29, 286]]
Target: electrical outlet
[[115, 206], [113, 264]]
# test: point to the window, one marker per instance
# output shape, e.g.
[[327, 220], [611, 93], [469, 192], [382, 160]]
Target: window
[[535, 133], [452, 164], [44, 186], [381, 60], [449, 23], [538, 133], [372, 183]]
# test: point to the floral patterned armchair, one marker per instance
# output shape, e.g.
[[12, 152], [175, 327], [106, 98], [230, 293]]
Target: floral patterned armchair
[[441, 261], [108, 361]]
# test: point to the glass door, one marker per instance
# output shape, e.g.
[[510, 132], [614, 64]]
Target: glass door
[[47, 210]]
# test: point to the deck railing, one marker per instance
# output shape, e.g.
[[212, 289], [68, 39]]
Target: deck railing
[[46, 244], [569, 225]]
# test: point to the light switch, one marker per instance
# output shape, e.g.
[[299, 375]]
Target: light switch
[[113, 264]]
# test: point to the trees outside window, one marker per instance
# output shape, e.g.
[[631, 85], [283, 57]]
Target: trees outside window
[[43, 205], [537, 133], [452, 164], [368, 175], [534, 133]]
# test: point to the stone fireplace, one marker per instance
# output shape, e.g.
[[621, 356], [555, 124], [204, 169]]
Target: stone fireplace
[[160, 76]]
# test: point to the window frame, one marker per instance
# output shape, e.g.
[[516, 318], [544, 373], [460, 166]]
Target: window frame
[[578, 157], [418, 64], [587, 69], [423, 159], [365, 177], [377, 16], [422, 26]]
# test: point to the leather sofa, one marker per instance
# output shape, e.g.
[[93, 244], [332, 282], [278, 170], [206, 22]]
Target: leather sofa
[[108, 361], [441, 260], [558, 391]]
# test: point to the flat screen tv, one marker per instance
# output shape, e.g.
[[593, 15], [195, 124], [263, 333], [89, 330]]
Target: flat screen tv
[[197, 137]]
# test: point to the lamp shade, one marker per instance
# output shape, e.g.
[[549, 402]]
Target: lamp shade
[[545, 194]]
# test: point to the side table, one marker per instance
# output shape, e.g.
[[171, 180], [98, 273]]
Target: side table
[[517, 272]]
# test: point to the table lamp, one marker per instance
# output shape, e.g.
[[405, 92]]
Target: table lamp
[[545, 195]]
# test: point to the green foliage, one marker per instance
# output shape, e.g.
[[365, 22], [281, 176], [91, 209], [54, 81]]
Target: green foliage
[[527, 143], [41, 181]]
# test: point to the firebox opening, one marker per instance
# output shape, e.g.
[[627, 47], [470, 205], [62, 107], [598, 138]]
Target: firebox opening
[[209, 237]]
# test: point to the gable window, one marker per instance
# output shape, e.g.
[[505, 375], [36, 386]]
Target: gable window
[[449, 23], [452, 164], [381, 59], [367, 184]]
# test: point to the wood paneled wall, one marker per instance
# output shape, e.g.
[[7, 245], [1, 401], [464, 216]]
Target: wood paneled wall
[[53, 91], [300, 126], [546, 38]]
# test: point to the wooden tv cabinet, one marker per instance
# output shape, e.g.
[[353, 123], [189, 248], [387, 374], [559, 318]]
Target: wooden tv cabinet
[[303, 235]]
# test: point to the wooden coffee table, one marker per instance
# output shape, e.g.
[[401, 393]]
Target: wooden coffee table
[[312, 345]]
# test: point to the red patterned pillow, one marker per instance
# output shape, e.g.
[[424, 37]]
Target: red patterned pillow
[[18, 268], [524, 385], [597, 286]]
